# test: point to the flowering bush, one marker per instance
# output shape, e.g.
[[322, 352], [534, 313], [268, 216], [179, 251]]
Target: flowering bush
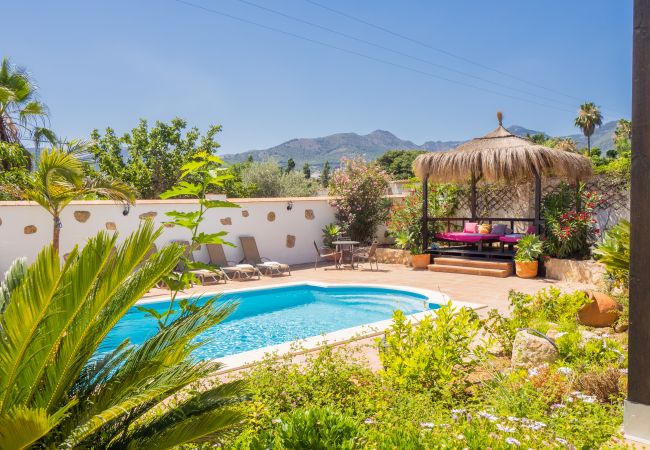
[[405, 218], [360, 189], [569, 232]]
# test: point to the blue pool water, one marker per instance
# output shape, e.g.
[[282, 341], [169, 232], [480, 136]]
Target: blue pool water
[[276, 315]]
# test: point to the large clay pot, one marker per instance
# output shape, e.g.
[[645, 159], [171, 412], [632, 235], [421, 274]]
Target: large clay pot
[[601, 311], [420, 261], [526, 269]]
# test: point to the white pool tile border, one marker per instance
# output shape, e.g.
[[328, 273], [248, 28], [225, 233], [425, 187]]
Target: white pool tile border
[[245, 359]]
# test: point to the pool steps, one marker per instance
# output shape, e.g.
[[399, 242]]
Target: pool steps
[[472, 267]]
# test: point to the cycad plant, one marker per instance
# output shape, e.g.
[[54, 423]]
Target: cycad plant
[[56, 391], [614, 252], [59, 179]]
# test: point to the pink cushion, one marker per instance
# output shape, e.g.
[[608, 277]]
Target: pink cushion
[[532, 229], [469, 238], [471, 227], [511, 238]]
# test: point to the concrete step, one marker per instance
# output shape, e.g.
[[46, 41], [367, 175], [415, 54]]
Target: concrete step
[[485, 272], [477, 263]]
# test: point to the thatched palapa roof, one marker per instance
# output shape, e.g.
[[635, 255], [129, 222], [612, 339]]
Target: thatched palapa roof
[[501, 156]]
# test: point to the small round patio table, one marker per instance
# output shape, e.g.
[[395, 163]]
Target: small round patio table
[[341, 246]]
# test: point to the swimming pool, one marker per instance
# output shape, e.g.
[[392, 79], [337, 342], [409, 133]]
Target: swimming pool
[[275, 315]]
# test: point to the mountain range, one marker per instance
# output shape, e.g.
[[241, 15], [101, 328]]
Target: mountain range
[[315, 151]]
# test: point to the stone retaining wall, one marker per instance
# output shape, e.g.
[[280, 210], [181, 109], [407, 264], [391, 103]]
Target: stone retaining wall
[[587, 272]]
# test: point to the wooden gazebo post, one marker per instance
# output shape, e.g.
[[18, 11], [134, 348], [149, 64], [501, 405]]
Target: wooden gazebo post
[[637, 405], [425, 214], [538, 202]]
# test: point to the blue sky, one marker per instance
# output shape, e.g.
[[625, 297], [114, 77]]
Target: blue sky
[[109, 63]]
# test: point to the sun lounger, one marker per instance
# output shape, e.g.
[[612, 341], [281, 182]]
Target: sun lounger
[[231, 269], [252, 256], [203, 275]]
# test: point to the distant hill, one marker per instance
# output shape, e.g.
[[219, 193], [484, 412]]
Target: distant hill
[[316, 151], [329, 148]]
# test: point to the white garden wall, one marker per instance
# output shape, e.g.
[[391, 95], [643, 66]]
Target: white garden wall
[[281, 234]]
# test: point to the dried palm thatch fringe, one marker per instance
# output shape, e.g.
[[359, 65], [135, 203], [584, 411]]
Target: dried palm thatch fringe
[[501, 156]]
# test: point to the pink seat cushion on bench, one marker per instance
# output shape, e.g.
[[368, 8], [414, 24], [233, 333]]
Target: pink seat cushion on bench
[[470, 238], [511, 238]]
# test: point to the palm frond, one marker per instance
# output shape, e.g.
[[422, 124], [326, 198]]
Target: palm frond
[[29, 305], [21, 427], [195, 429]]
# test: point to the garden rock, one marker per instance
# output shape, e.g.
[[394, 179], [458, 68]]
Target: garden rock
[[601, 311], [529, 350]]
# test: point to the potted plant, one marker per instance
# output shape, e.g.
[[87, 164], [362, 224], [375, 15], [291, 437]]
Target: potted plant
[[412, 242], [529, 249], [330, 233]]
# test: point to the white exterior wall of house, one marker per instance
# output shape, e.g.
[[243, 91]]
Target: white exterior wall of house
[[281, 234]]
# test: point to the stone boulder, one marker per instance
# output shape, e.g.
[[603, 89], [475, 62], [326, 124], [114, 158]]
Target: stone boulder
[[531, 350], [601, 311]]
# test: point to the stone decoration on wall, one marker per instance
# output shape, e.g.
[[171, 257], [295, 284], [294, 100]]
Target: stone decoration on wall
[[30, 229], [270, 216], [81, 216], [291, 241], [110, 226], [244, 213], [226, 221], [169, 225], [309, 214], [148, 215]]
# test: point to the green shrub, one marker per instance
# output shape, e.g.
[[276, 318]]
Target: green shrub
[[317, 429], [435, 354], [575, 348], [545, 309]]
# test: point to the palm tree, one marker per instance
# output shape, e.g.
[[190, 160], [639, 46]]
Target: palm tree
[[589, 117], [22, 115], [59, 179], [623, 129], [57, 391], [566, 144]]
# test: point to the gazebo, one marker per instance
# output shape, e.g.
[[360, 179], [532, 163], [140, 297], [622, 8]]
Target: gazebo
[[497, 156]]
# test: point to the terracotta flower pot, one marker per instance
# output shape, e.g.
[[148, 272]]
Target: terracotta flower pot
[[420, 261], [601, 311], [526, 269]]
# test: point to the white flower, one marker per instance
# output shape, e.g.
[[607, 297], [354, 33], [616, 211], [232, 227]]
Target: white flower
[[427, 424], [505, 428], [533, 372], [623, 371], [560, 334], [513, 419], [557, 406], [369, 421], [564, 370], [488, 416], [585, 398], [513, 441], [276, 421], [562, 441]]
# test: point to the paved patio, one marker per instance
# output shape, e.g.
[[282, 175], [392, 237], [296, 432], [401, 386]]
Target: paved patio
[[492, 292]]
